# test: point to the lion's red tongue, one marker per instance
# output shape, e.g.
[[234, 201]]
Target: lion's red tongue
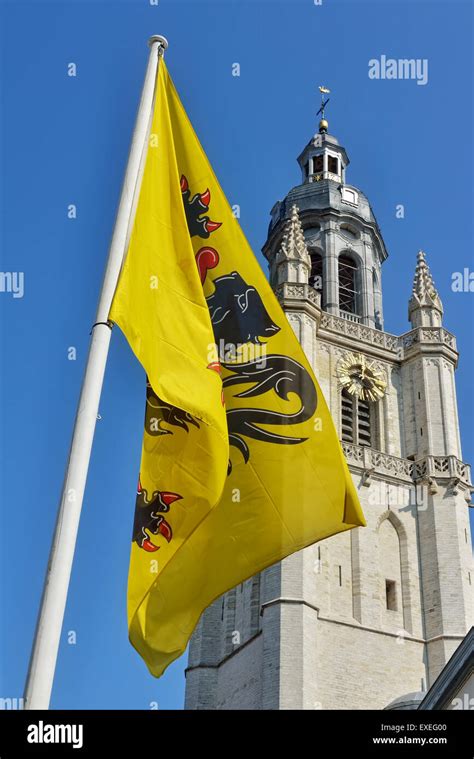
[[149, 546]]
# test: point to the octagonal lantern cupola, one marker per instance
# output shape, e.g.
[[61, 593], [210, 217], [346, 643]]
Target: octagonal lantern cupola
[[323, 158]]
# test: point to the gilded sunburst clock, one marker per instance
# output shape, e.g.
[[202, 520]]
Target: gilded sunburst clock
[[361, 377]]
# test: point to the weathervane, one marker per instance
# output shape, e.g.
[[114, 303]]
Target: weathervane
[[323, 124]]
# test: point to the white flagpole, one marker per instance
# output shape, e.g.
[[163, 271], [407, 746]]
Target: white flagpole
[[53, 603]]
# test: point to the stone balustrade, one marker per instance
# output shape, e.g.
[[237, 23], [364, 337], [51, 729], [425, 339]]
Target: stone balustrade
[[385, 340], [426, 468]]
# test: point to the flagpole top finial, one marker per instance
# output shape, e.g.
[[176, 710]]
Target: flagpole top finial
[[158, 38]]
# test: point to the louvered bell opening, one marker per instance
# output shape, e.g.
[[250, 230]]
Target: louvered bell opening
[[347, 418], [363, 423], [316, 276], [347, 285]]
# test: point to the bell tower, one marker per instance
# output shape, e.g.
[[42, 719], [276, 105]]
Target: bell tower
[[343, 238], [365, 617]]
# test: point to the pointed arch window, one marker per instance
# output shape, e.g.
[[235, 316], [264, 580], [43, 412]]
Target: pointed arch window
[[348, 284], [357, 423]]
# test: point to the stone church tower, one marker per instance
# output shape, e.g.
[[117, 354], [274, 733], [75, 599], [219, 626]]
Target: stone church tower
[[368, 616]]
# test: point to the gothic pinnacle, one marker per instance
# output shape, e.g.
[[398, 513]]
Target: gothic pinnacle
[[424, 299], [423, 284], [293, 244]]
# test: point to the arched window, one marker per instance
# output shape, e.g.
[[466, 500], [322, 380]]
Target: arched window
[[357, 425], [316, 276], [348, 284]]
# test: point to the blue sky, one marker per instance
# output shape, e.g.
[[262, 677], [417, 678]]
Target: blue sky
[[65, 140]]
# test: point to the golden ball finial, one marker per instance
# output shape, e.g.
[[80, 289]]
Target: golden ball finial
[[323, 125]]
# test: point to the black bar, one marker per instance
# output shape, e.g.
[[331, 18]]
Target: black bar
[[150, 733]]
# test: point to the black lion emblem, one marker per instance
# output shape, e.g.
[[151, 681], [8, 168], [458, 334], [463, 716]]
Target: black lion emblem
[[237, 312]]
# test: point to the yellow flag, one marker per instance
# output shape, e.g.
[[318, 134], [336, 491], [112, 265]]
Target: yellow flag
[[282, 483]]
